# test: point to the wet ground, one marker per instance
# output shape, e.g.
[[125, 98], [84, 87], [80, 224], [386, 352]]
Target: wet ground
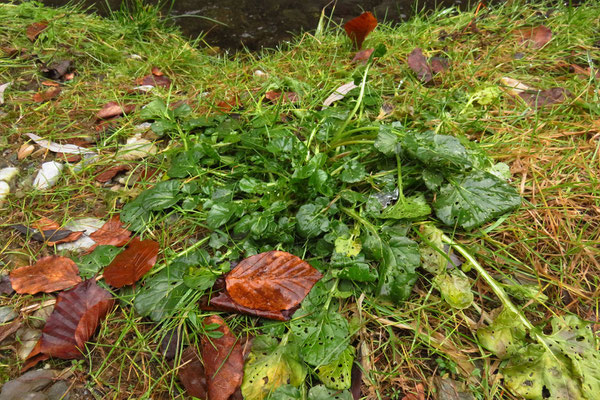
[[232, 24]]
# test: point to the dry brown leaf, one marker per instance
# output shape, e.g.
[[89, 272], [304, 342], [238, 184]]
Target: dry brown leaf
[[363, 55], [133, 263], [114, 109], [418, 63], [49, 94], [537, 36], [25, 150], [34, 30], [288, 97], [48, 274], [191, 374], [106, 174], [111, 233], [271, 281]]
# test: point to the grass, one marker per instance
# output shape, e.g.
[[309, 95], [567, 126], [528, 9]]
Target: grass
[[551, 242]]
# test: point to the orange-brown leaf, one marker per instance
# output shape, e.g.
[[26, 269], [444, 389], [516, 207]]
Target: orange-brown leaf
[[111, 233], [133, 263], [114, 109], [48, 274], [534, 36], [288, 97], [358, 28], [49, 94], [271, 281], [34, 30], [363, 55], [74, 320], [418, 63], [223, 361], [107, 174]]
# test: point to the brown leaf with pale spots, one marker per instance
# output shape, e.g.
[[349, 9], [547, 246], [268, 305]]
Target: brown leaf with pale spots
[[76, 316], [114, 109], [359, 28], [418, 63], [49, 94], [223, 361], [34, 30], [191, 373], [537, 37], [48, 274], [111, 233], [271, 281], [133, 263]]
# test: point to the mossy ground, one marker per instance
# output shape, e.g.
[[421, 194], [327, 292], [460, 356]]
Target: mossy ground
[[552, 241]]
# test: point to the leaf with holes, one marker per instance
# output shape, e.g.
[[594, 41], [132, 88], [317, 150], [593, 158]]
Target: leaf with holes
[[223, 361], [271, 281], [133, 263], [271, 365], [337, 374], [323, 336], [74, 320], [320, 392], [48, 274]]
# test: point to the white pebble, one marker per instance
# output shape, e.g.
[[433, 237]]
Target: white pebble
[[48, 175]]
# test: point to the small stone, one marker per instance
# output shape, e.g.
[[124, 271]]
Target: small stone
[[27, 384], [58, 391], [48, 175], [38, 319], [8, 174], [4, 190], [7, 314]]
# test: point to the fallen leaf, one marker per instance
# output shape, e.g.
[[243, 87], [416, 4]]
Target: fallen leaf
[[106, 174], [49, 94], [46, 224], [271, 281], [223, 302], [10, 52], [191, 374], [58, 70], [42, 236], [449, 389], [50, 83], [136, 148], [156, 78], [111, 233], [133, 263], [223, 361], [25, 150], [5, 286], [363, 55], [418, 63], [48, 274], [537, 37], [540, 98], [114, 109], [76, 316], [288, 97], [585, 72], [226, 106], [156, 71], [57, 147], [48, 175], [439, 64], [419, 393], [34, 30], [8, 329], [358, 28], [339, 93]]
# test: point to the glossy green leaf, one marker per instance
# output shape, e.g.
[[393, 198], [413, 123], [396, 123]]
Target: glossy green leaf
[[387, 142], [359, 272], [397, 271], [440, 152], [90, 264], [337, 373], [286, 392], [473, 199], [219, 214], [407, 208], [271, 365], [353, 172], [311, 221]]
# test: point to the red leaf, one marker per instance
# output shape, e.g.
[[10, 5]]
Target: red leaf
[[224, 302], [358, 28], [114, 109], [49, 94], [439, 64], [34, 30], [74, 320], [223, 361], [271, 281], [537, 37], [363, 55], [111, 233], [192, 375], [418, 63], [48, 274], [108, 173], [133, 263]]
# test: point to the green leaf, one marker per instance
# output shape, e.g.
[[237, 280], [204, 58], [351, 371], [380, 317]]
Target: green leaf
[[353, 172], [186, 164], [200, 278], [347, 246], [505, 335], [250, 185], [156, 109], [437, 151], [310, 221], [163, 195], [322, 336], [359, 272], [455, 289], [387, 141], [90, 264], [473, 199], [162, 127], [337, 374], [320, 392], [286, 392], [306, 171], [432, 250], [407, 208], [397, 276], [219, 214], [271, 365]]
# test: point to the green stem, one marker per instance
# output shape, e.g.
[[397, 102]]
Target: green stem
[[340, 133]]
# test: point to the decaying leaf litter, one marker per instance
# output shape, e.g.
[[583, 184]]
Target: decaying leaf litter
[[345, 192]]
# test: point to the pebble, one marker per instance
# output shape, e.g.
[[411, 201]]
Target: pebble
[[7, 314], [48, 175]]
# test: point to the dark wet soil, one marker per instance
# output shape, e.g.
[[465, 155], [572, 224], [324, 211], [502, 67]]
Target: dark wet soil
[[233, 24]]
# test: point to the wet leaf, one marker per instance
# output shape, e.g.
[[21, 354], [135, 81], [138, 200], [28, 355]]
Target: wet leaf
[[100, 257], [540, 98], [223, 302], [76, 315], [106, 174], [271, 281], [505, 335], [537, 37], [133, 263], [310, 221], [34, 30], [418, 63], [156, 78], [471, 200], [114, 109], [270, 366], [407, 208], [223, 361], [363, 55], [192, 375], [5, 286], [449, 389], [48, 274], [455, 289], [111, 233], [49, 94], [57, 71], [320, 392], [337, 373], [439, 64], [358, 28]]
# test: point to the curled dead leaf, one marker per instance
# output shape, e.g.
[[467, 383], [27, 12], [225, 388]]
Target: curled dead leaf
[[106, 174], [48, 274], [58, 70], [223, 361], [418, 63], [133, 263], [156, 79], [271, 281], [358, 28], [25, 150], [34, 30]]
